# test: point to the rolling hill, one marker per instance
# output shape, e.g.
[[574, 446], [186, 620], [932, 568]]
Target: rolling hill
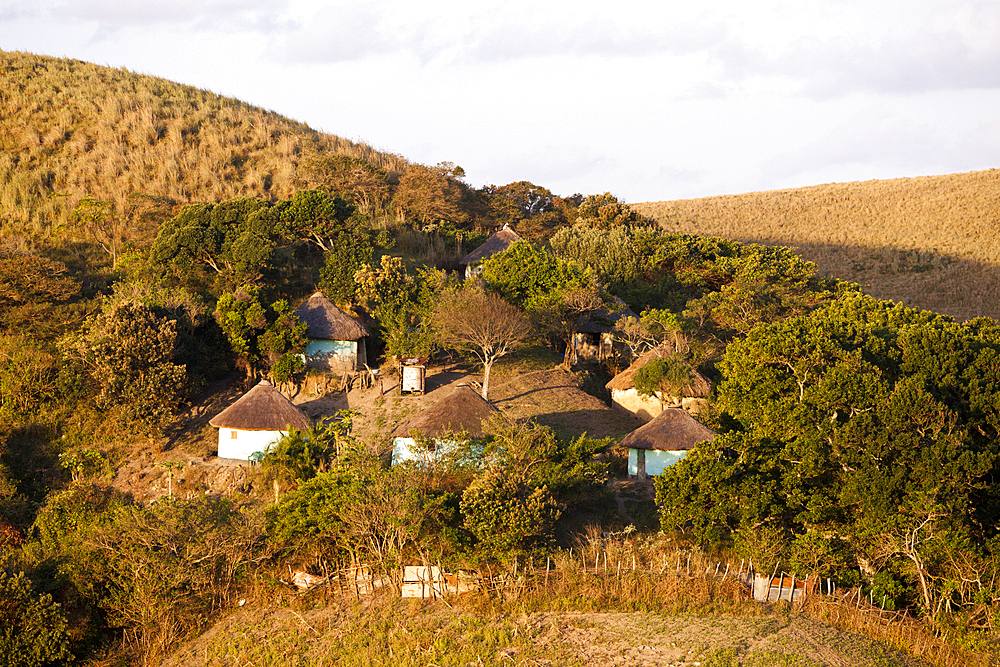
[[930, 242], [70, 129]]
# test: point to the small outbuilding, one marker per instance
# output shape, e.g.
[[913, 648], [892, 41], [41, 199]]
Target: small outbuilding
[[496, 243], [257, 420], [663, 442], [625, 396], [595, 337], [461, 411], [336, 340]]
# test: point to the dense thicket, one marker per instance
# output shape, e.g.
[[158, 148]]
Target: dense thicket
[[862, 441]]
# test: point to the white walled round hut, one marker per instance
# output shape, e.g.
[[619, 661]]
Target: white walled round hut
[[257, 420], [663, 442]]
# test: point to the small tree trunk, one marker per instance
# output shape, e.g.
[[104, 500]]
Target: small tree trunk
[[569, 359], [486, 378]]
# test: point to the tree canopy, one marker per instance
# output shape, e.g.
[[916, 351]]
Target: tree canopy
[[865, 427]]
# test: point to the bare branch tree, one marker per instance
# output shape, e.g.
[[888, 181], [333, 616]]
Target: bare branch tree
[[483, 323]]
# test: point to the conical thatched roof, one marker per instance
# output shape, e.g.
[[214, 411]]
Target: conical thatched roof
[[263, 408], [327, 322], [671, 430], [461, 410], [498, 242], [699, 386]]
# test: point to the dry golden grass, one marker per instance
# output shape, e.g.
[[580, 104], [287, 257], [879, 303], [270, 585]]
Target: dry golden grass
[[69, 129], [672, 608], [931, 242]]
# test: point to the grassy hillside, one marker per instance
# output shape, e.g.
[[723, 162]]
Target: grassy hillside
[[69, 129], [931, 242]]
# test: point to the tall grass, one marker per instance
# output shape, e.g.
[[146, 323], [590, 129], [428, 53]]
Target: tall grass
[[505, 620], [70, 129], [930, 242]]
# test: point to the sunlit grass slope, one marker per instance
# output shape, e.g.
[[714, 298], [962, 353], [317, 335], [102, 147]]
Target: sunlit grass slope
[[70, 128], [931, 242]]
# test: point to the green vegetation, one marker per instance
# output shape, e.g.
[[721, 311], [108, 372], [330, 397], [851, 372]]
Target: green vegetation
[[156, 240], [862, 434]]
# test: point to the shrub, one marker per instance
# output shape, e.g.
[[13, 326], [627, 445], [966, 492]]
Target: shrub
[[33, 629]]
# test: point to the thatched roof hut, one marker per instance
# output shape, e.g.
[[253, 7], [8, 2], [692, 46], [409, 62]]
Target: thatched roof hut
[[697, 388], [663, 442], [463, 410], [498, 242], [263, 408], [672, 430], [603, 319], [327, 322]]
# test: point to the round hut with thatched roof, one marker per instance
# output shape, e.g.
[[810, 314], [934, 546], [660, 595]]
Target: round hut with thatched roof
[[336, 340], [625, 396], [463, 411], [498, 242], [663, 442], [257, 420]]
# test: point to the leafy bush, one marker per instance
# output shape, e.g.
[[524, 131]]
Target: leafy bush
[[507, 515], [33, 629]]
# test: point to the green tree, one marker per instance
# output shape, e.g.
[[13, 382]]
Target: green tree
[[533, 210], [350, 252], [606, 211], [862, 421], [365, 185], [130, 351], [429, 194], [264, 337], [402, 304], [315, 217], [555, 293], [235, 238], [357, 509], [507, 515]]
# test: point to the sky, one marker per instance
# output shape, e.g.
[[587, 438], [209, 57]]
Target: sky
[[651, 100]]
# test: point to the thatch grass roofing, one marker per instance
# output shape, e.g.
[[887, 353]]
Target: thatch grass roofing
[[263, 408], [603, 319], [498, 242], [327, 322], [463, 410], [698, 387], [672, 430]]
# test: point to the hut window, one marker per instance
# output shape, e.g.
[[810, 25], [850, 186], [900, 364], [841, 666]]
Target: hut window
[[232, 434]]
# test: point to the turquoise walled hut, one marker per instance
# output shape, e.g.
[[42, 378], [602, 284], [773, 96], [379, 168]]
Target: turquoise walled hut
[[336, 340], [663, 442]]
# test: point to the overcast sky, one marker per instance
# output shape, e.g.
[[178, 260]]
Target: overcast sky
[[649, 100]]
